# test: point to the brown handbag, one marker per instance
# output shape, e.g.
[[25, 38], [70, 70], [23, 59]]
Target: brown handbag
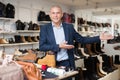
[[48, 60], [30, 70]]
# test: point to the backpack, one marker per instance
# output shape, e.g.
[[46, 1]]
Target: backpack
[[10, 11], [41, 16], [2, 10]]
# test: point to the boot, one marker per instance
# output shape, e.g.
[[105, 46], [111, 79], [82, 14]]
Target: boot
[[28, 38], [83, 53], [17, 39], [23, 39], [77, 53], [88, 46], [90, 65], [117, 59], [100, 65], [98, 70], [111, 63], [93, 49], [34, 38], [106, 64], [48, 60], [98, 47]]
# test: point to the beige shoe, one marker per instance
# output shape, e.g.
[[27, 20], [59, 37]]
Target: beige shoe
[[3, 41]]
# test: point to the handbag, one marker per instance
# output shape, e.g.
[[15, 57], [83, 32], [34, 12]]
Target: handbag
[[48, 60], [11, 71], [30, 70]]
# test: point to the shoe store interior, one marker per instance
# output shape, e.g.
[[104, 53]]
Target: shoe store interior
[[30, 51]]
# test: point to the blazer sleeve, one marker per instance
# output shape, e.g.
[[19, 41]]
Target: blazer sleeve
[[44, 42], [84, 40]]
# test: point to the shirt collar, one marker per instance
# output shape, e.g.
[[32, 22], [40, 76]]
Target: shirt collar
[[54, 25]]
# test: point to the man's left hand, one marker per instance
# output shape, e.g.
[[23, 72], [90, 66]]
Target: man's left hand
[[105, 36]]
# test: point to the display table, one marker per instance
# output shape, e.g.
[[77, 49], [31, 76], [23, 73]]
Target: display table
[[111, 76], [68, 75]]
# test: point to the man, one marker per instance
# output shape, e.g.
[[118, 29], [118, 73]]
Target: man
[[58, 37]]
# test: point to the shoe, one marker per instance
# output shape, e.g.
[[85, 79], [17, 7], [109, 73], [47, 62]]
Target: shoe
[[28, 38], [117, 59], [3, 41], [23, 39], [88, 46], [112, 64], [100, 65], [98, 71], [83, 53], [93, 49], [48, 60], [17, 52], [29, 57], [34, 38], [36, 27], [18, 39]]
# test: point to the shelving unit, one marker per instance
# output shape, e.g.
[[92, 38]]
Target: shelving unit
[[4, 33], [18, 44]]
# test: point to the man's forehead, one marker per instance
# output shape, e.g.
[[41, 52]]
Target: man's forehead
[[56, 8]]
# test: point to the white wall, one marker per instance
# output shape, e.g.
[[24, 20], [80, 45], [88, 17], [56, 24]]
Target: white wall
[[26, 11]]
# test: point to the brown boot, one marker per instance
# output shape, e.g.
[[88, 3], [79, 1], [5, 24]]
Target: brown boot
[[88, 46], [23, 39], [48, 60], [28, 38], [34, 38], [98, 71]]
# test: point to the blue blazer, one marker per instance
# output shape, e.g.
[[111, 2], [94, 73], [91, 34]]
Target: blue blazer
[[47, 39]]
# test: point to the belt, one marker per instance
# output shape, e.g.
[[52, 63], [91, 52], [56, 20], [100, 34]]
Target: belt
[[62, 61]]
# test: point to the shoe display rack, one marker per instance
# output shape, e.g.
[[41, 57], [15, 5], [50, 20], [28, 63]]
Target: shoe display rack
[[7, 33]]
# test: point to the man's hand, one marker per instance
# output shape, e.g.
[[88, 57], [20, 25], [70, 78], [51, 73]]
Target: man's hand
[[64, 45], [105, 36]]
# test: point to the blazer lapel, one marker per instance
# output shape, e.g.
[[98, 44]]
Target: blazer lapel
[[66, 31], [51, 34]]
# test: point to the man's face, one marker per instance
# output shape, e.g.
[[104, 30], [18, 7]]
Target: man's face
[[56, 14]]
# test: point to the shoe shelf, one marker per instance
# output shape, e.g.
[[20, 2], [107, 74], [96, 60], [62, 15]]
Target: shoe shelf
[[43, 22], [8, 32], [18, 44], [20, 31], [7, 19], [28, 31]]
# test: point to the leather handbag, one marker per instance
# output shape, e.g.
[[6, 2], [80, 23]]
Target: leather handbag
[[48, 60], [30, 70]]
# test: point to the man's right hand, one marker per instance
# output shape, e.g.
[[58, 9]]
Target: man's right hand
[[64, 45]]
